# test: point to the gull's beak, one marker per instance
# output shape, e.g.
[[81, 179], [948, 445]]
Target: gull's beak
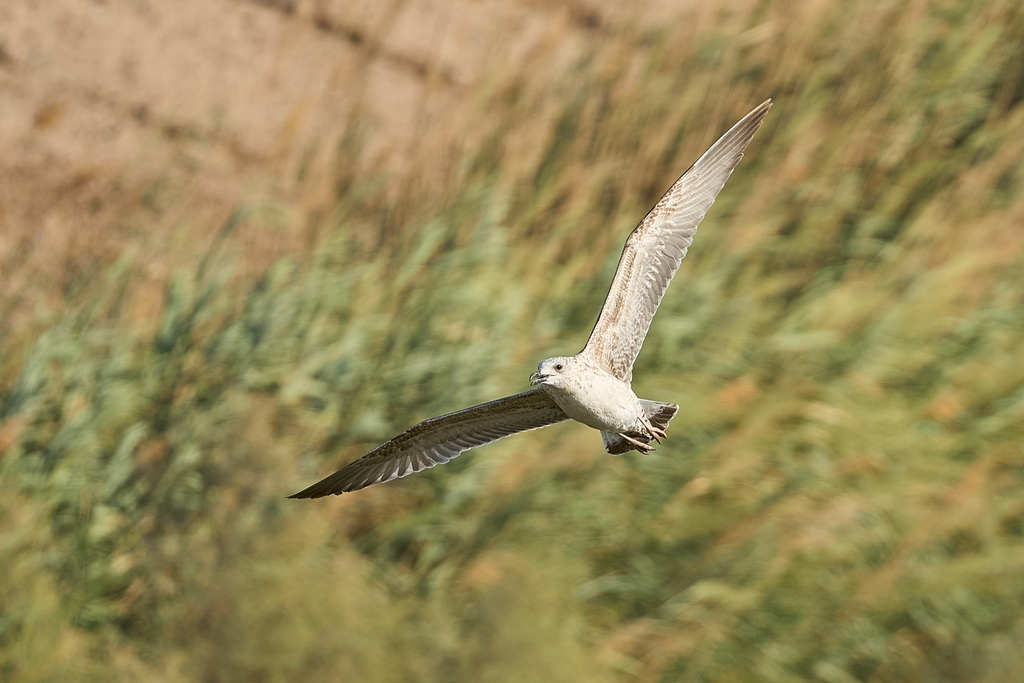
[[537, 378]]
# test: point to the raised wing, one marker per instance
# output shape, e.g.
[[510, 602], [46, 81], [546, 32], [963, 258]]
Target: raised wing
[[439, 439], [657, 246]]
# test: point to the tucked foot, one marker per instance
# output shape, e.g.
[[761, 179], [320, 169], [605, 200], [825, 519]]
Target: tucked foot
[[656, 433], [641, 446]]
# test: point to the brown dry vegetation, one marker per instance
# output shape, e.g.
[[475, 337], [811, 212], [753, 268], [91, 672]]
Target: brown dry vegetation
[[242, 242]]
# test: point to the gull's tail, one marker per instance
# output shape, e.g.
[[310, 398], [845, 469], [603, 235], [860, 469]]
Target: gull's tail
[[660, 414]]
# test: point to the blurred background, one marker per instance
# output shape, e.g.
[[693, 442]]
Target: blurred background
[[243, 242]]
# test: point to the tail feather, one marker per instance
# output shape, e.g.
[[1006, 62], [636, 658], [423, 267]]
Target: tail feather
[[660, 414]]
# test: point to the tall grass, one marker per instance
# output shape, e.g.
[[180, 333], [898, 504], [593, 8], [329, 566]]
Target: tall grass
[[840, 498]]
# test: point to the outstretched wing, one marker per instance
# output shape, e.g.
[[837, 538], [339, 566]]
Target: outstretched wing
[[439, 439], [657, 246]]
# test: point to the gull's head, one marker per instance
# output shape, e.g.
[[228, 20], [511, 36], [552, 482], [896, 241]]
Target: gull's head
[[552, 371]]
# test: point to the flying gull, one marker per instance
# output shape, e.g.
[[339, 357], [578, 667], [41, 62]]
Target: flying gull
[[592, 387]]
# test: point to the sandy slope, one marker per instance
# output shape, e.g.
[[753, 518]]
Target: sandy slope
[[114, 115]]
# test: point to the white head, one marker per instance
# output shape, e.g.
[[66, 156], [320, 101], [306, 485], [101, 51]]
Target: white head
[[552, 371]]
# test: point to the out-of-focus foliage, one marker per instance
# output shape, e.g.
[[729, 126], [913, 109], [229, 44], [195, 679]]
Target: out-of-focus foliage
[[840, 498]]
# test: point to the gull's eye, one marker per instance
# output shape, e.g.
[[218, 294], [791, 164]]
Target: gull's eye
[[558, 366]]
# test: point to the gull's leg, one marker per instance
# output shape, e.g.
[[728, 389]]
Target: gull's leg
[[656, 434], [641, 446]]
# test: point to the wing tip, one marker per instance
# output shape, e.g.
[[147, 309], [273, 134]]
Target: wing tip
[[757, 114], [312, 492], [327, 486], [304, 493], [736, 139]]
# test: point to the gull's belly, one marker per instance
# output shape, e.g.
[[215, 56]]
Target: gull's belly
[[600, 401]]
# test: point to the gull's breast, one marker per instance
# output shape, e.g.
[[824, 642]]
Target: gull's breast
[[598, 400]]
